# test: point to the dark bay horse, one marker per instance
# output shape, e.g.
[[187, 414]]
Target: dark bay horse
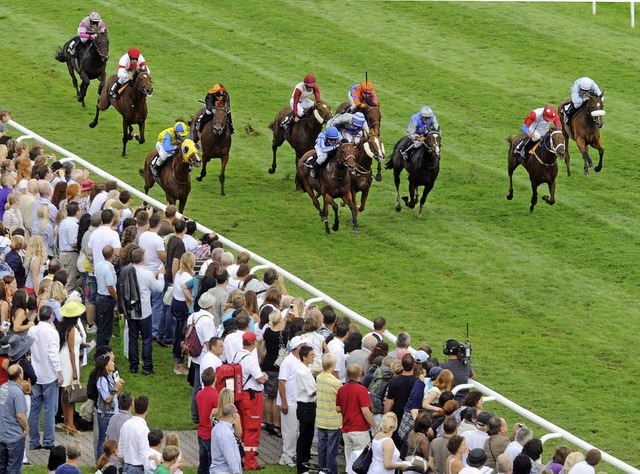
[[216, 141], [302, 134], [423, 166], [91, 64], [370, 148], [333, 181], [131, 104], [370, 110], [541, 164], [175, 177], [584, 127]]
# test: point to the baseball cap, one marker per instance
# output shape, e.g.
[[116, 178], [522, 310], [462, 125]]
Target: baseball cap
[[248, 336], [483, 418], [296, 341], [421, 356]]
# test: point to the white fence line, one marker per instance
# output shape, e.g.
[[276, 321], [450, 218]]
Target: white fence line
[[492, 395]]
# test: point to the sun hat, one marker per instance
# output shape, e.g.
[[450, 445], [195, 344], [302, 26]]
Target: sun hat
[[207, 300], [86, 185], [72, 309], [4, 345], [477, 457], [20, 345]]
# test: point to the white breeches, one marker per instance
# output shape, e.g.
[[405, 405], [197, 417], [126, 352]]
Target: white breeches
[[162, 153], [303, 106]]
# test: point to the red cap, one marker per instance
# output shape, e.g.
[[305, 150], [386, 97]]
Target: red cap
[[248, 336], [134, 53], [310, 80]]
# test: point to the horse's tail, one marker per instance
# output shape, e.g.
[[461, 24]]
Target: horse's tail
[[141, 171], [509, 139], [60, 56], [272, 125]]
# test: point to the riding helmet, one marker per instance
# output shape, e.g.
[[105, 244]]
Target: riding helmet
[[358, 119], [310, 80], [585, 84], [94, 16], [366, 87], [134, 53], [180, 128], [549, 113], [426, 112], [332, 133], [217, 88]]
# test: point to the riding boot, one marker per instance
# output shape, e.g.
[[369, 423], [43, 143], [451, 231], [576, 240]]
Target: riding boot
[[231, 124], [405, 152], [286, 122], [113, 90], [156, 166], [522, 147], [72, 48], [203, 120], [569, 109]]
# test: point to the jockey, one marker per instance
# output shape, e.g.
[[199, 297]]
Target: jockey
[[326, 142], [420, 123], [216, 97], [129, 63], [300, 100], [536, 126], [579, 91], [89, 27], [352, 126], [360, 92], [167, 144]]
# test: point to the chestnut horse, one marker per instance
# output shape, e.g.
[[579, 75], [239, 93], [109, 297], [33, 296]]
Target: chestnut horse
[[175, 177], [370, 110], [541, 164], [216, 141], [370, 148], [584, 127], [302, 134], [92, 64], [131, 104], [423, 167], [332, 181]]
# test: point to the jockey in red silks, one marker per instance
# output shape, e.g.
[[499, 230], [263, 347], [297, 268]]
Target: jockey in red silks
[[129, 63], [536, 126], [301, 101]]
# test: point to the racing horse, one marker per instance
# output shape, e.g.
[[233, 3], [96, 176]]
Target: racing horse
[[584, 128], [369, 148], [216, 141], [91, 64], [132, 105], [175, 177], [423, 166], [332, 181], [302, 134], [541, 164], [370, 110]]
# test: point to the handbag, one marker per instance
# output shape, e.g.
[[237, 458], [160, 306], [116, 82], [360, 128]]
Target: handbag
[[282, 352], [418, 463], [363, 462], [168, 296]]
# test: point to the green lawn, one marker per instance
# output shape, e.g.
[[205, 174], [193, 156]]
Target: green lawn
[[551, 297]]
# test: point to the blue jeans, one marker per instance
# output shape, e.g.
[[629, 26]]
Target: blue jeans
[[328, 444], [157, 308], [44, 395], [205, 455], [166, 328], [103, 423], [105, 305], [11, 456], [142, 328], [197, 385], [129, 469]]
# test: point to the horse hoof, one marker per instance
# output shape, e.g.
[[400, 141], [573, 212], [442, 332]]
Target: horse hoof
[[597, 169], [398, 208], [336, 227], [356, 230], [141, 140], [272, 170], [586, 173], [92, 125], [378, 178], [361, 209], [509, 197], [198, 178]]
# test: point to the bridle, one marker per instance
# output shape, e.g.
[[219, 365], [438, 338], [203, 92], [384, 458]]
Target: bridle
[[343, 160], [221, 123], [99, 44], [141, 86], [558, 149]]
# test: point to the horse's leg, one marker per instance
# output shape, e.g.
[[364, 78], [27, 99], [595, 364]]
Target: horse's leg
[[354, 213], [598, 146], [132, 134], [183, 203], [567, 157], [427, 189], [336, 220], [379, 173], [396, 181], [582, 146], [363, 199], [125, 136], [74, 81], [223, 165], [83, 87], [141, 127], [203, 171], [534, 194], [95, 119], [278, 139], [324, 215], [551, 198], [410, 201], [512, 164]]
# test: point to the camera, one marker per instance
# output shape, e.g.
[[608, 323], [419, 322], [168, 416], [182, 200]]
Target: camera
[[462, 350]]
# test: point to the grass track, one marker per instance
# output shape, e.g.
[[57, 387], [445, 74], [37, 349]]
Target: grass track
[[551, 297]]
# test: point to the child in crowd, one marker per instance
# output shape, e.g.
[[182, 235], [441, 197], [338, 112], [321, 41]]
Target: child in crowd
[[109, 462]]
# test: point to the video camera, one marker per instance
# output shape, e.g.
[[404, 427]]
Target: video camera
[[460, 349]]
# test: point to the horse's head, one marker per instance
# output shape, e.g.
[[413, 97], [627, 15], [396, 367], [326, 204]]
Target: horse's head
[[372, 112], [143, 83], [595, 108], [190, 153], [322, 112], [346, 155], [374, 148], [432, 141], [219, 121], [556, 143], [101, 43]]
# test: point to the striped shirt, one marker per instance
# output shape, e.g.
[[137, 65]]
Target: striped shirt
[[327, 418]]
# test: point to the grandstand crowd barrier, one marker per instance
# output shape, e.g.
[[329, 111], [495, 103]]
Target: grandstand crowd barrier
[[489, 394]]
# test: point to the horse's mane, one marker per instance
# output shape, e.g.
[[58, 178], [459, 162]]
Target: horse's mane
[[369, 102]]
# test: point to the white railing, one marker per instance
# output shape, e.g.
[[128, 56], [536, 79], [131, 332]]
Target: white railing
[[490, 395]]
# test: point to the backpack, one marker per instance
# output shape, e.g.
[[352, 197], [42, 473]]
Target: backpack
[[191, 345], [229, 376], [378, 388]]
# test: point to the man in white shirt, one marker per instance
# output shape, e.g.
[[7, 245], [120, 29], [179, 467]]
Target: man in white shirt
[[45, 360], [523, 435], [134, 443], [101, 197], [306, 411], [205, 329], [591, 460], [103, 236], [211, 358], [477, 438], [336, 347], [155, 256], [148, 283], [190, 244], [233, 342], [251, 400], [155, 438], [287, 401], [68, 244], [379, 328]]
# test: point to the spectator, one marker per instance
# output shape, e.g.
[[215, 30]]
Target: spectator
[[12, 216], [57, 457], [206, 400], [403, 341], [274, 339], [18, 316], [170, 461], [457, 449], [385, 455], [125, 406], [142, 222], [314, 339], [443, 383], [328, 420], [59, 193], [306, 411], [288, 402], [462, 371], [355, 405], [233, 342], [533, 449], [557, 462], [379, 328], [336, 347], [74, 453], [155, 256], [497, 442], [418, 442], [14, 427], [8, 182], [504, 464], [224, 449], [220, 294], [45, 359], [522, 464], [591, 460], [475, 463], [15, 261], [361, 356], [90, 285], [329, 320], [107, 297], [190, 244], [109, 462], [180, 309], [175, 250], [169, 220], [438, 451], [154, 453], [35, 260], [102, 237], [109, 389], [68, 244], [477, 438], [134, 442], [211, 359], [70, 342], [523, 435], [101, 197], [399, 390]]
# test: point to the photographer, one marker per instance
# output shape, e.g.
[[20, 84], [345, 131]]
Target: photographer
[[459, 363]]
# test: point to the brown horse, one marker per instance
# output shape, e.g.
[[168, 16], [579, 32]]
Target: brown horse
[[175, 177], [132, 105], [370, 110], [302, 134], [423, 167], [216, 141], [584, 127], [541, 164], [332, 181], [91, 64], [370, 148]]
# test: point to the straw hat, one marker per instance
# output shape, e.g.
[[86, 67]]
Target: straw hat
[[72, 309]]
